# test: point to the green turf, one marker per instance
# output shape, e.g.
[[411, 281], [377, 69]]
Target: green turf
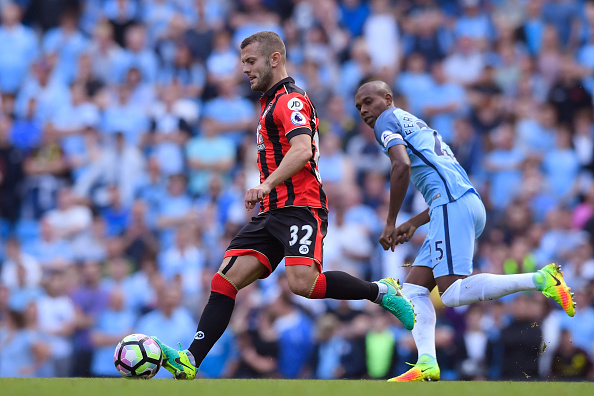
[[120, 386]]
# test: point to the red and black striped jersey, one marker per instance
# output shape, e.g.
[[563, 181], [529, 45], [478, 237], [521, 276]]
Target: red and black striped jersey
[[286, 111]]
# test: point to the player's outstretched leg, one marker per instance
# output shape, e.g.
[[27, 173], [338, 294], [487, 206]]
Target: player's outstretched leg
[[549, 280], [179, 363], [339, 285]]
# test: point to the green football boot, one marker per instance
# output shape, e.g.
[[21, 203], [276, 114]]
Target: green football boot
[[395, 302], [177, 362]]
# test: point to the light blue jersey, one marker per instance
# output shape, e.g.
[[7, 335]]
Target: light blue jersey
[[434, 169], [457, 214]]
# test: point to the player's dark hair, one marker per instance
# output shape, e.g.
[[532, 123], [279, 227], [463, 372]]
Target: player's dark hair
[[270, 43]]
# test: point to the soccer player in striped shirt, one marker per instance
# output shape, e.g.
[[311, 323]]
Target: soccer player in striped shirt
[[293, 214]]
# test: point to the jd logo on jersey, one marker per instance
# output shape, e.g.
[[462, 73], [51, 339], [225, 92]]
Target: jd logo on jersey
[[303, 249], [295, 104]]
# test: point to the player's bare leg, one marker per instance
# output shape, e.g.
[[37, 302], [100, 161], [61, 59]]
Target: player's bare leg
[[307, 281], [234, 274]]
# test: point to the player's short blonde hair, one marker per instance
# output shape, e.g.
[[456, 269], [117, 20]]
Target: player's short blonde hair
[[270, 43]]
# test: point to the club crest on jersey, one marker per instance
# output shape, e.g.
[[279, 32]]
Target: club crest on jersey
[[259, 139], [295, 104], [297, 118], [266, 111]]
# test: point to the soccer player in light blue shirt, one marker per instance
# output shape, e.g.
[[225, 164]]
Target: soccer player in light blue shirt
[[456, 217]]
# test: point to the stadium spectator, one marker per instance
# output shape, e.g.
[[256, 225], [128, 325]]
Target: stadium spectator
[[353, 14], [169, 321], [521, 363], [12, 173], [23, 351], [137, 54], [89, 301], [20, 270], [19, 48], [295, 335], [183, 263], [51, 251], [330, 345], [111, 325], [56, 317], [138, 238], [465, 63], [222, 61], [229, 114], [123, 116], [380, 346], [105, 52], [503, 164], [69, 220], [116, 215], [120, 165], [258, 346], [382, 35], [169, 133], [571, 362], [67, 43], [444, 104]]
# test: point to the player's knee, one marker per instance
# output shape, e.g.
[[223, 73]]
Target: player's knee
[[222, 285], [451, 297], [300, 286]]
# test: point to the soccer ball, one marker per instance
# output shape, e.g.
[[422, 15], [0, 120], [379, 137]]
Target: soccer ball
[[138, 356]]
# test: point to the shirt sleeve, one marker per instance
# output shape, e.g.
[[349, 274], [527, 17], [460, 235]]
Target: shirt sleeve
[[293, 115], [388, 132]]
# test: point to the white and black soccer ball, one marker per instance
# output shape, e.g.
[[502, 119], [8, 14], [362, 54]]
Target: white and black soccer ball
[[138, 356]]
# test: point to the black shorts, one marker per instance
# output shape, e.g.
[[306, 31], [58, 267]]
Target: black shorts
[[295, 233]]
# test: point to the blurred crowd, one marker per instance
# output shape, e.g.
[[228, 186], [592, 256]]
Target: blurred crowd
[[127, 141]]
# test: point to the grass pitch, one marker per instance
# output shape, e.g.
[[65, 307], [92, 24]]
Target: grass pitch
[[120, 386]]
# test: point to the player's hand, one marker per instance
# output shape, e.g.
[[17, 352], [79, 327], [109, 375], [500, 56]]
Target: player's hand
[[387, 236], [255, 195], [403, 233]]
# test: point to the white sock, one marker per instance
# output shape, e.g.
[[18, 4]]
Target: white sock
[[382, 290], [483, 287], [424, 330]]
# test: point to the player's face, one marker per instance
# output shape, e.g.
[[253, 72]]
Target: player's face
[[370, 105], [257, 67]]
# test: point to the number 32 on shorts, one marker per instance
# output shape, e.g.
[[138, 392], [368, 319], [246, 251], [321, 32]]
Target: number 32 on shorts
[[304, 241]]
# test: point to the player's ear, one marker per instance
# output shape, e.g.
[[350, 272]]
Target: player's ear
[[389, 99], [275, 59]]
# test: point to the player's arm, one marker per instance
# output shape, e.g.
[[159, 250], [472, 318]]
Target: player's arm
[[399, 180], [295, 159]]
